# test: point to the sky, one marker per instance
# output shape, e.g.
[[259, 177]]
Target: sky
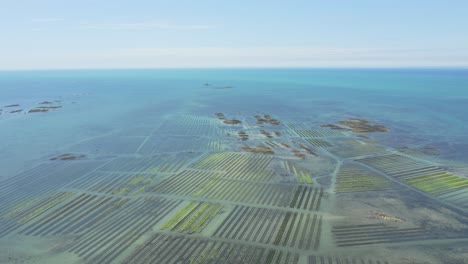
[[58, 34]]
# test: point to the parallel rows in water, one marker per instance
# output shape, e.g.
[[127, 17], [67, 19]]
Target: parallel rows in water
[[108, 145], [193, 218], [226, 161], [42, 179], [151, 164], [424, 176], [353, 148], [74, 215], [190, 125], [109, 239], [28, 210], [177, 144], [238, 165], [395, 164], [162, 248], [271, 226], [301, 175], [318, 133], [273, 144], [211, 185], [343, 260], [114, 183], [318, 143], [354, 178], [369, 234]]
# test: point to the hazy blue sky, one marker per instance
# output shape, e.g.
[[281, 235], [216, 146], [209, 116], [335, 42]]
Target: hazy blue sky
[[209, 33]]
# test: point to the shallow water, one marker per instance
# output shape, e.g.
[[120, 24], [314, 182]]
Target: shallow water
[[135, 167]]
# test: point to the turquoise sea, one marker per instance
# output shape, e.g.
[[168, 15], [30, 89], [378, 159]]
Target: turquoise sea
[[234, 166]]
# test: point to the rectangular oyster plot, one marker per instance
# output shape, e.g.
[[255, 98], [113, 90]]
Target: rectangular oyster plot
[[424, 176], [336, 260], [270, 226], [162, 248], [351, 178], [356, 235], [214, 187]]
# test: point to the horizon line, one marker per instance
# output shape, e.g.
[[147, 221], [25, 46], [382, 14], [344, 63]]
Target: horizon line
[[455, 67]]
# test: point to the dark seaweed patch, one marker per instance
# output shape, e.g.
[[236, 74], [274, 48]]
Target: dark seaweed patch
[[258, 149], [362, 125], [358, 125], [298, 154], [38, 110], [310, 151], [266, 134], [68, 156], [243, 135], [222, 117], [266, 119], [43, 109], [232, 121]]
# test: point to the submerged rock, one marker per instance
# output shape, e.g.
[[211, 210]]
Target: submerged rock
[[232, 121], [259, 149], [298, 154], [68, 156], [310, 151], [243, 135], [221, 116], [266, 119], [42, 109], [384, 217], [38, 110], [266, 134], [358, 125]]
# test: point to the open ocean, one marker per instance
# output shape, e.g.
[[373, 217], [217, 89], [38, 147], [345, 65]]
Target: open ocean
[[234, 166]]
